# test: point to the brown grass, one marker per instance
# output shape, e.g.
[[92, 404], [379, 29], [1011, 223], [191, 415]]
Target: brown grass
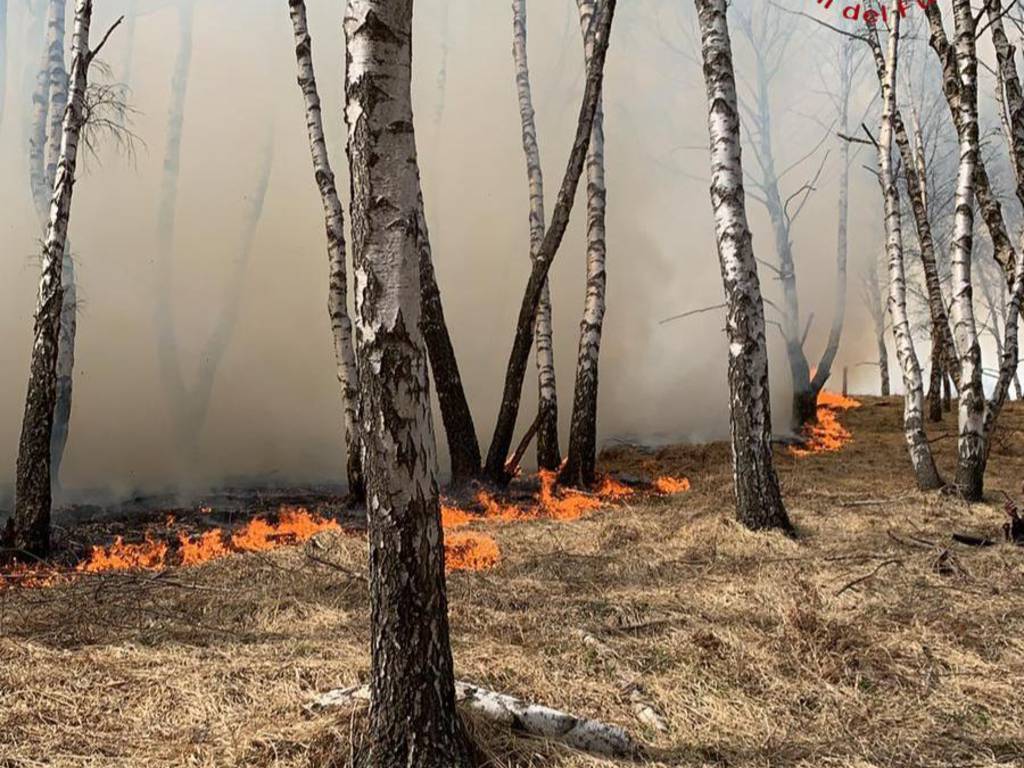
[[748, 643]]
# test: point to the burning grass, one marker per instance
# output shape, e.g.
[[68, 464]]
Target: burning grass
[[828, 435], [754, 647]]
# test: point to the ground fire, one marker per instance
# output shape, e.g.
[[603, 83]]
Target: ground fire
[[465, 550], [828, 435]]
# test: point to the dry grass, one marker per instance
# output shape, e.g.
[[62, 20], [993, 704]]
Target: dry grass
[[744, 641]]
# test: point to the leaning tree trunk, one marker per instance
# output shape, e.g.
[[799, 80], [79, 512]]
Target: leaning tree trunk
[[913, 412], [971, 443], [579, 468], [337, 301], [58, 101], [33, 492], [413, 721], [758, 497], [463, 445], [548, 454], [515, 372]]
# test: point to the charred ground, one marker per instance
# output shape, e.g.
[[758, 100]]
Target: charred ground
[[871, 639]]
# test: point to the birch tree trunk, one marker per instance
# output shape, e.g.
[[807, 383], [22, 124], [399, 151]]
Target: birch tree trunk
[[337, 294], [913, 412], [33, 491], [828, 356], [915, 177], [758, 497], [579, 468], [971, 442], [58, 92], [988, 203], [463, 445], [548, 454], [515, 372], [413, 721], [873, 300], [167, 215], [41, 191]]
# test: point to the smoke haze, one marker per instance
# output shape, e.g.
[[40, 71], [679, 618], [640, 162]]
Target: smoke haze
[[275, 412]]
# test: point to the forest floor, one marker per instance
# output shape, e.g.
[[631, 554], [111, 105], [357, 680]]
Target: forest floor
[[869, 640]]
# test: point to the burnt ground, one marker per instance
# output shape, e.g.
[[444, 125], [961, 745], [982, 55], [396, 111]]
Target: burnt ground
[[870, 640]]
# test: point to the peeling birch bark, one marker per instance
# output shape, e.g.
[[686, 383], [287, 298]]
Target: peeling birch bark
[[538, 721], [758, 496], [33, 483], [413, 721], [579, 468], [913, 410], [337, 294], [515, 372], [971, 441], [988, 204], [548, 454]]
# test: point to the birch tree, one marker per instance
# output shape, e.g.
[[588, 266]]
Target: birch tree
[[548, 454], [925, 472], [337, 294], [871, 296], [413, 721], [33, 482], [769, 36], [515, 371], [579, 467], [758, 496]]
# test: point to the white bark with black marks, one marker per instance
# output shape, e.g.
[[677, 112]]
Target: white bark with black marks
[[515, 372], [548, 454], [413, 721], [33, 483], [971, 440], [580, 465], [337, 294], [925, 472], [758, 496]]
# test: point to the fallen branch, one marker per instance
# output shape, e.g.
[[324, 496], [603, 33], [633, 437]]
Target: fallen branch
[[541, 722], [512, 465], [862, 579]]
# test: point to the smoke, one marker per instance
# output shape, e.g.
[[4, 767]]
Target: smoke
[[274, 411]]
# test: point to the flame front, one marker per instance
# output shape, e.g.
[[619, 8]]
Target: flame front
[[671, 485], [828, 435]]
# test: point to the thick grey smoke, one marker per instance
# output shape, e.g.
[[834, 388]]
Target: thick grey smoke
[[274, 412]]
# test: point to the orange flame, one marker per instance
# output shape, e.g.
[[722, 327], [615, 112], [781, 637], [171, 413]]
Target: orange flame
[[828, 435], [610, 488], [470, 551], [667, 485], [150, 555]]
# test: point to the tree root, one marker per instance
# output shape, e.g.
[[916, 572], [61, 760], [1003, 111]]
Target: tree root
[[535, 720]]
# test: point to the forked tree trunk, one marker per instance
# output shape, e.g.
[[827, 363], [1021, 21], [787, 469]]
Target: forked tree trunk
[[758, 497], [548, 453], [579, 468], [337, 294], [913, 411], [971, 442], [988, 204], [915, 176], [515, 372], [463, 445], [33, 492], [413, 721]]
